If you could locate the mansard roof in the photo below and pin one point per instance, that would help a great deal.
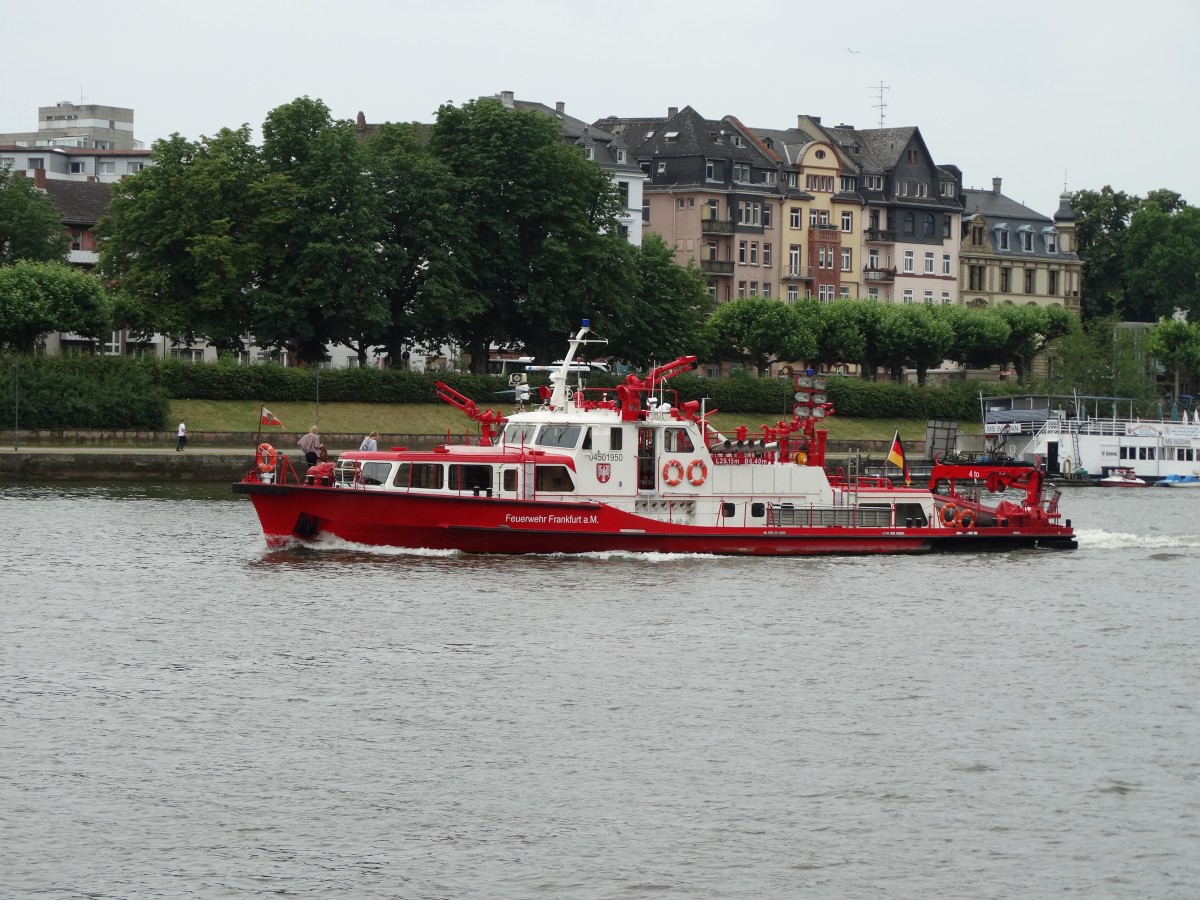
(997, 207)
(687, 133)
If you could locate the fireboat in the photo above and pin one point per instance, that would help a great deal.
(631, 469)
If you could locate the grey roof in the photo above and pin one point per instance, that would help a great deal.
(879, 148)
(692, 135)
(997, 207)
(79, 202)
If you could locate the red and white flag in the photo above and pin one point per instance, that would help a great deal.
(268, 418)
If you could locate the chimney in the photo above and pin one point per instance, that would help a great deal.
(39, 178)
(362, 120)
(506, 97)
(995, 185)
(560, 107)
(672, 112)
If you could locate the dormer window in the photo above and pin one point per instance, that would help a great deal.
(1050, 237)
(671, 137)
(1002, 236)
(620, 156)
(736, 140)
(589, 153)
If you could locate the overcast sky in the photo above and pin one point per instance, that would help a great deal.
(1077, 92)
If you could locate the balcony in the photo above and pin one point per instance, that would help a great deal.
(717, 266)
(798, 273)
(876, 274)
(824, 231)
(880, 236)
(715, 226)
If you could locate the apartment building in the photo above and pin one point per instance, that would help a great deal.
(1014, 255)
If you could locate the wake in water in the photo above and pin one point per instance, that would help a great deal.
(1099, 539)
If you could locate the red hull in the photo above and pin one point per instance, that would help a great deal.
(485, 525)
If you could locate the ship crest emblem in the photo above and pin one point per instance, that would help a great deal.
(603, 472)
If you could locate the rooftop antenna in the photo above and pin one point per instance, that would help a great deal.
(882, 104)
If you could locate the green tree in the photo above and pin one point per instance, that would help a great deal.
(1176, 345)
(1162, 263)
(868, 316)
(37, 298)
(1101, 220)
(757, 330)
(674, 296)
(913, 335)
(544, 247)
(835, 326)
(424, 228)
(178, 239)
(1031, 329)
(30, 226)
(980, 336)
(321, 277)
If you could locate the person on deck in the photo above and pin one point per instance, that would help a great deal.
(370, 442)
(310, 443)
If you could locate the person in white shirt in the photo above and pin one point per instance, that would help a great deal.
(181, 434)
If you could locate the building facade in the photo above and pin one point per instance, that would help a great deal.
(1012, 255)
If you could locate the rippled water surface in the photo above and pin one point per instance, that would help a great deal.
(184, 713)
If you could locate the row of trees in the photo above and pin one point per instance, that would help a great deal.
(490, 231)
(875, 335)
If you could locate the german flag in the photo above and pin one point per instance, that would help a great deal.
(896, 457)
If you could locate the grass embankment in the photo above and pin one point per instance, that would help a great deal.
(438, 418)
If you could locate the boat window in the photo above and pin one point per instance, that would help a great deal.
(470, 478)
(509, 479)
(520, 433)
(677, 440)
(555, 479)
(375, 473)
(566, 436)
(614, 438)
(587, 440)
(419, 475)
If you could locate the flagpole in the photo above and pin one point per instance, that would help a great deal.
(258, 434)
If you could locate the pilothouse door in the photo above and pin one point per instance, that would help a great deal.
(645, 459)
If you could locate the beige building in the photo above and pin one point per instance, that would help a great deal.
(1013, 255)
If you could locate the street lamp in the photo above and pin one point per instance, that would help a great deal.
(16, 367)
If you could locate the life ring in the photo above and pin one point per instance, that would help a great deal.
(949, 511)
(693, 466)
(965, 519)
(266, 458)
(673, 472)
(801, 457)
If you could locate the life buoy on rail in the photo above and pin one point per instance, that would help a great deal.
(673, 472)
(697, 471)
(965, 518)
(266, 458)
(949, 511)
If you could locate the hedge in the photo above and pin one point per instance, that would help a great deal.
(116, 392)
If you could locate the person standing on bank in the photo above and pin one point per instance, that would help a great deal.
(310, 443)
(370, 442)
(181, 437)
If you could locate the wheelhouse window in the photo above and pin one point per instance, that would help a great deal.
(565, 436)
(375, 473)
(520, 433)
(676, 440)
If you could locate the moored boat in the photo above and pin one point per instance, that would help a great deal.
(630, 469)
(1179, 481)
(1122, 478)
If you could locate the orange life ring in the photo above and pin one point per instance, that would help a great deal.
(965, 518)
(673, 472)
(949, 511)
(695, 479)
(266, 458)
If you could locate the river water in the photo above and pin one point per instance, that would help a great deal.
(184, 713)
